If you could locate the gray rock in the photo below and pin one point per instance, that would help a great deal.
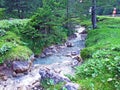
(48, 52)
(54, 50)
(2, 74)
(74, 53)
(83, 32)
(72, 36)
(49, 74)
(52, 47)
(42, 55)
(78, 58)
(75, 63)
(20, 66)
(14, 74)
(4, 78)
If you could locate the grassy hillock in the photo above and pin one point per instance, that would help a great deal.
(11, 45)
(101, 67)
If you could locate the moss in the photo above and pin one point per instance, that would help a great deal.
(17, 53)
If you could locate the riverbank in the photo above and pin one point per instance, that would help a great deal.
(101, 68)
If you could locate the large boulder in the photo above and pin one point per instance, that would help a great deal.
(49, 74)
(21, 66)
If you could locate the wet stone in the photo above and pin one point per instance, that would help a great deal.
(20, 66)
(56, 77)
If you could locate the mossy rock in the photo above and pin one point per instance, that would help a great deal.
(16, 53)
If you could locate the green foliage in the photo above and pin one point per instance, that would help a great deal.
(46, 26)
(101, 69)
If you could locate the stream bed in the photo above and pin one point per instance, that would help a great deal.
(61, 61)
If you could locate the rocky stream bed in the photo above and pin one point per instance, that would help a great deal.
(54, 63)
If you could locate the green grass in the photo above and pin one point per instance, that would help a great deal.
(101, 67)
(18, 53)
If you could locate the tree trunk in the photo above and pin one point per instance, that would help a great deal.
(94, 24)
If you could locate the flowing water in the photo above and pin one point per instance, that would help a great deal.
(60, 56)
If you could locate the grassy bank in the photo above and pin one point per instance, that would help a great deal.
(11, 45)
(101, 67)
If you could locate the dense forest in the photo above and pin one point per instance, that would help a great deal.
(30, 27)
(26, 8)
